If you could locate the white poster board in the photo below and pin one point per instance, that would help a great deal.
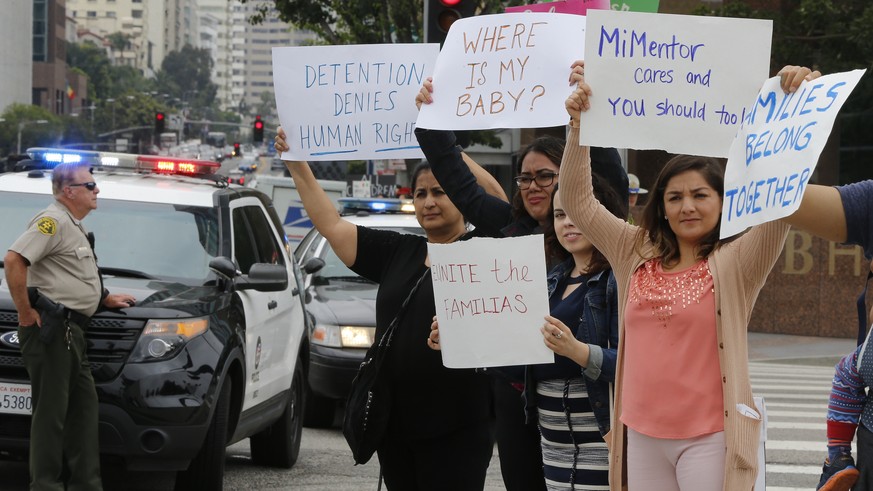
(491, 299)
(775, 152)
(505, 71)
(353, 102)
(671, 82)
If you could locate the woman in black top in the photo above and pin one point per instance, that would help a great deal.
(537, 169)
(438, 435)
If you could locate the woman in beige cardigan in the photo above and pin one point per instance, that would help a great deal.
(681, 420)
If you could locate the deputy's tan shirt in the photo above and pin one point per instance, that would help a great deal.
(62, 264)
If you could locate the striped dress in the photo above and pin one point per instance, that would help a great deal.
(575, 456)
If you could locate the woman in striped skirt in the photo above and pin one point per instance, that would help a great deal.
(571, 398)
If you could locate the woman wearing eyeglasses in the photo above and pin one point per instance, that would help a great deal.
(537, 173)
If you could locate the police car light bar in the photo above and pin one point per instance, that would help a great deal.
(154, 164)
(376, 205)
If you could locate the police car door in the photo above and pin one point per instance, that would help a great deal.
(271, 317)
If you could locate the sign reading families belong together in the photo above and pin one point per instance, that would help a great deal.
(671, 82)
(776, 151)
(351, 102)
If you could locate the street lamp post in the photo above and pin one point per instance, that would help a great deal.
(21, 125)
(113, 112)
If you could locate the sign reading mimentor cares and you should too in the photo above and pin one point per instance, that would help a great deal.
(775, 152)
(505, 71)
(491, 299)
(671, 82)
(353, 102)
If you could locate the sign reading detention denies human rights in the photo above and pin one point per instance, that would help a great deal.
(351, 102)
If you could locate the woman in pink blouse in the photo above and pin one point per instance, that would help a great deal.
(684, 414)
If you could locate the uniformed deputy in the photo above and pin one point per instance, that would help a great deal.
(55, 256)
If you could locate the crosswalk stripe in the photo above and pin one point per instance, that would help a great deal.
(794, 469)
(800, 445)
(797, 425)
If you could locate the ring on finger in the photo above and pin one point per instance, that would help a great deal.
(558, 335)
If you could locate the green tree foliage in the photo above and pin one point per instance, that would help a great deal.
(830, 36)
(33, 134)
(339, 22)
(187, 75)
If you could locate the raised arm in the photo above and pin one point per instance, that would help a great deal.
(472, 189)
(821, 213)
(341, 234)
(610, 235)
(484, 178)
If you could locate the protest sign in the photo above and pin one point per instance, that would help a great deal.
(505, 71)
(777, 148)
(351, 102)
(671, 82)
(562, 7)
(635, 5)
(491, 298)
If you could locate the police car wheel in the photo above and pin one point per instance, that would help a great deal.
(279, 444)
(206, 471)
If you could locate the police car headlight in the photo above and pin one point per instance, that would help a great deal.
(161, 339)
(343, 336)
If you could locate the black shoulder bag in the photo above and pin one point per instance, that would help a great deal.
(369, 401)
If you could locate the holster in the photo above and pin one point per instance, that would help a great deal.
(52, 315)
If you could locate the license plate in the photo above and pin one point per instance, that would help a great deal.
(15, 398)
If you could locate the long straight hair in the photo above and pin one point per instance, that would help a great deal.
(609, 198)
(655, 226)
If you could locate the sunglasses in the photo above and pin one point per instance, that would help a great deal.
(90, 186)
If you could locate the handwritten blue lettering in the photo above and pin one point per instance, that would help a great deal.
(363, 102)
(781, 192)
(767, 143)
(639, 44)
(628, 107)
(651, 75)
(336, 135)
(355, 73)
(692, 111)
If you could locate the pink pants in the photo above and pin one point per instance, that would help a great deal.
(659, 464)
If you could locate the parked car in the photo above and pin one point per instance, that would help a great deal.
(213, 352)
(342, 315)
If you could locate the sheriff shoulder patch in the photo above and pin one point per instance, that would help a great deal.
(47, 225)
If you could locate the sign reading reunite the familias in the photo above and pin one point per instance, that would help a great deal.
(776, 151)
(505, 71)
(491, 298)
(677, 83)
(351, 102)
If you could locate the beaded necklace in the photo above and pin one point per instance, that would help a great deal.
(663, 290)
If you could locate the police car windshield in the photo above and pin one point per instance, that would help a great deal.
(154, 240)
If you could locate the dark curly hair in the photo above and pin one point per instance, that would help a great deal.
(610, 199)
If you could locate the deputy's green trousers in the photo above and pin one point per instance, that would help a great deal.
(64, 425)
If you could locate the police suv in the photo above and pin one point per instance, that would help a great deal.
(215, 349)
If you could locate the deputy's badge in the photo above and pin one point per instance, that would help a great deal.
(47, 226)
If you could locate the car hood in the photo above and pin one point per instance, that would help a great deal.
(159, 299)
(343, 303)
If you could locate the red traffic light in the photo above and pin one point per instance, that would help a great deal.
(159, 116)
(450, 3)
(259, 125)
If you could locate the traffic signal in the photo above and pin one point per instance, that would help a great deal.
(237, 151)
(160, 123)
(440, 14)
(258, 130)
